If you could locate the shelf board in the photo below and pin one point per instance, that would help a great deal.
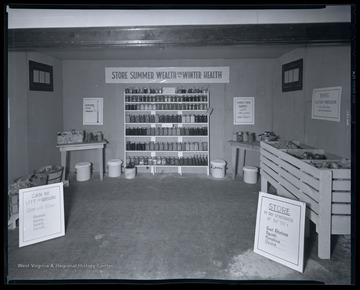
(171, 165)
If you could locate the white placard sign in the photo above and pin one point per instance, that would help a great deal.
(326, 104)
(280, 226)
(93, 111)
(244, 111)
(161, 75)
(41, 213)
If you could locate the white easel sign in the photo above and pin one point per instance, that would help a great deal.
(280, 226)
(41, 213)
(93, 111)
(244, 111)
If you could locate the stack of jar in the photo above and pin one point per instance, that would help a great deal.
(150, 118)
(165, 98)
(93, 137)
(166, 146)
(183, 106)
(244, 136)
(195, 160)
(168, 131)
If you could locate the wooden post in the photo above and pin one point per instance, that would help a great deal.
(242, 161)
(101, 163)
(234, 155)
(324, 229)
(63, 164)
(264, 185)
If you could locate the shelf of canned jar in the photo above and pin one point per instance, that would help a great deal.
(152, 165)
(166, 94)
(164, 110)
(166, 136)
(167, 102)
(168, 123)
(146, 151)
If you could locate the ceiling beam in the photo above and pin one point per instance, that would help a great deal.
(188, 35)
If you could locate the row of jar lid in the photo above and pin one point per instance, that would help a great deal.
(244, 136)
(160, 90)
(166, 131)
(167, 160)
(166, 118)
(166, 107)
(164, 99)
(167, 146)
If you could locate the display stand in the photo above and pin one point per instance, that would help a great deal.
(165, 128)
(326, 191)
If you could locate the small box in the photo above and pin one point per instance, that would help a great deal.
(14, 209)
(168, 90)
(14, 199)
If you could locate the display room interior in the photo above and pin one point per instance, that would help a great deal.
(180, 145)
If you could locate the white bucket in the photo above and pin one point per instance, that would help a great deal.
(218, 168)
(83, 171)
(250, 174)
(114, 166)
(130, 173)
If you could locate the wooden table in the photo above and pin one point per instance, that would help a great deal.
(64, 148)
(242, 147)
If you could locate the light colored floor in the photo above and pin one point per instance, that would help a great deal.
(165, 226)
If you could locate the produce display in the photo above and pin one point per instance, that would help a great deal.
(22, 182)
(341, 164)
(311, 155)
(285, 144)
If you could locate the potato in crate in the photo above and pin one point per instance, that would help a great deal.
(54, 173)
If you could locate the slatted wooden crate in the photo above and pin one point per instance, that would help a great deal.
(326, 192)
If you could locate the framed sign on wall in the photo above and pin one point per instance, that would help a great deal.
(40, 77)
(244, 111)
(292, 76)
(93, 111)
(326, 104)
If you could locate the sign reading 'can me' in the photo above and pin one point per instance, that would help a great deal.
(167, 75)
(41, 214)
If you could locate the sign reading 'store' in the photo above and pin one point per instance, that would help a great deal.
(162, 75)
(41, 213)
(280, 226)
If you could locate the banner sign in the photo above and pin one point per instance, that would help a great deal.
(41, 213)
(279, 233)
(244, 111)
(161, 75)
(326, 104)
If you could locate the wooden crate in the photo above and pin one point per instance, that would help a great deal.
(326, 191)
